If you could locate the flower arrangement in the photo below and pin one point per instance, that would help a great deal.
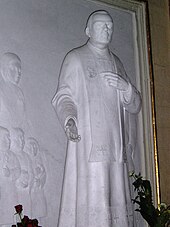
(24, 221)
(155, 217)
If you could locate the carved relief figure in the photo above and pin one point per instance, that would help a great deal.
(9, 173)
(93, 101)
(24, 182)
(38, 200)
(12, 103)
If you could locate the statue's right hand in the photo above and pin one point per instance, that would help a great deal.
(72, 131)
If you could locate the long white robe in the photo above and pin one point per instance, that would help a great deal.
(12, 105)
(95, 189)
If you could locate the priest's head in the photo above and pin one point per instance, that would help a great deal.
(99, 29)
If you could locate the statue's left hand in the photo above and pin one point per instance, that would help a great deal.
(115, 81)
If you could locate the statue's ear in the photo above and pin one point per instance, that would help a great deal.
(87, 31)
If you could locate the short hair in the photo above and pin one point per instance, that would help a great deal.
(90, 18)
(8, 57)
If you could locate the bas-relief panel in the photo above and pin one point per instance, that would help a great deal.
(32, 140)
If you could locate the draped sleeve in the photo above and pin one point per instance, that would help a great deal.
(65, 99)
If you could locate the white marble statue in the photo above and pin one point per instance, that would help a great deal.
(93, 101)
(12, 102)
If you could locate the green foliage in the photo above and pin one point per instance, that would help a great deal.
(155, 217)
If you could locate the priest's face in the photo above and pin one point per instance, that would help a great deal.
(14, 74)
(101, 28)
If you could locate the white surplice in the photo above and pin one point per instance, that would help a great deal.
(95, 189)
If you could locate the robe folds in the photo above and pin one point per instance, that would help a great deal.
(12, 106)
(95, 190)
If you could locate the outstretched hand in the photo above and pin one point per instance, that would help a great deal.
(72, 131)
(115, 80)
